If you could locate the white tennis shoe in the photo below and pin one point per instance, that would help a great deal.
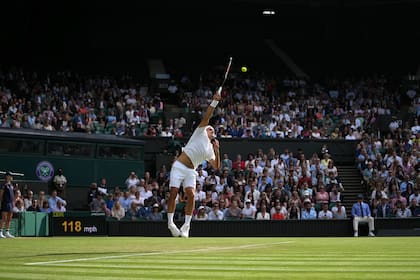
(185, 230)
(174, 230)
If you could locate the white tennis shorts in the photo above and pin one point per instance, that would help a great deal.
(182, 175)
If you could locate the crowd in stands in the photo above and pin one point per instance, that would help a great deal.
(39, 202)
(266, 184)
(273, 185)
(391, 171)
(252, 106)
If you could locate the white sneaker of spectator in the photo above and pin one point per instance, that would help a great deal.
(2, 235)
(8, 235)
(371, 233)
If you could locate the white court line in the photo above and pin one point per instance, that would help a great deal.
(271, 268)
(159, 253)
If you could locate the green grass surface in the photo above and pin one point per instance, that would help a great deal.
(62, 258)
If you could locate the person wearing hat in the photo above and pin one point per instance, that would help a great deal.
(361, 213)
(155, 215)
(308, 211)
(249, 211)
(7, 197)
(201, 214)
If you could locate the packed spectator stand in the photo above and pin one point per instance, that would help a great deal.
(285, 184)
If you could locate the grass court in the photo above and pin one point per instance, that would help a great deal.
(65, 258)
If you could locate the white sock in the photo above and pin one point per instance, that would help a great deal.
(170, 218)
(188, 219)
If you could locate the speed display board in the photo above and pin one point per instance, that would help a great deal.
(79, 226)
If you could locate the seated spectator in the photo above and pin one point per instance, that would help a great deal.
(28, 199)
(215, 214)
(125, 200)
(104, 209)
(155, 214)
(415, 195)
(274, 204)
(397, 198)
(54, 198)
(222, 203)
(45, 207)
(233, 212)
(133, 212)
(226, 162)
(325, 213)
(249, 211)
(34, 206)
(415, 210)
(140, 201)
(199, 194)
(308, 211)
(378, 188)
(403, 211)
(321, 197)
(375, 202)
(278, 214)
(263, 214)
(339, 211)
(19, 207)
(110, 199)
(59, 207)
(295, 199)
(368, 173)
(293, 213)
(383, 208)
(335, 195)
(117, 211)
(95, 205)
(201, 214)
(132, 180)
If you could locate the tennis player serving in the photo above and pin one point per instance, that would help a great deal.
(201, 146)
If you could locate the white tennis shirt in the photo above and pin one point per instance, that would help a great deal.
(199, 147)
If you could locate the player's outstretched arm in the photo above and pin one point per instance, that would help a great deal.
(209, 112)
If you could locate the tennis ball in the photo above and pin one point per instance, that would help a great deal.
(244, 69)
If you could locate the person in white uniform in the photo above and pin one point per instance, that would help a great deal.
(201, 146)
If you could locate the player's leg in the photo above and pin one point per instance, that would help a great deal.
(175, 180)
(9, 217)
(189, 208)
(2, 223)
(190, 182)
(171, 210)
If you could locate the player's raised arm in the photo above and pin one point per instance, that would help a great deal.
(209, 112)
